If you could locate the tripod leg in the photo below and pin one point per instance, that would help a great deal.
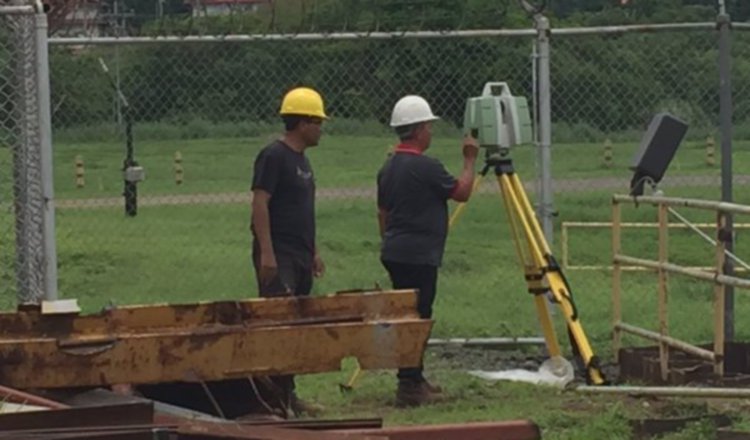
(461, 206)
(548, 330)
(548, 268)
(534, 276)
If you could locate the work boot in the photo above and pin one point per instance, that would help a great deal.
(415, 394)
(300, 407)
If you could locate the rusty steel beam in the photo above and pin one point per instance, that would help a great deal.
(509, 430)
(212, 354)
(365, 305)
(96, 432)
(207, 342)
(319, 424)
(126, 414)
(196, 429)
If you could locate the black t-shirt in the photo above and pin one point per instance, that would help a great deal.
(414, 190)
(288, 177)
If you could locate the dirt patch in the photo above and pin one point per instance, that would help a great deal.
(488, 359)
(494, 359)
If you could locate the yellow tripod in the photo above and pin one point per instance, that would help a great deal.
(543, 273)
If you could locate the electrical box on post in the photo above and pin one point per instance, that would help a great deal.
(134, 174)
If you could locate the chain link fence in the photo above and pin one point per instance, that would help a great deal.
(632, 76)
(213, 105)
(25, 260)
(202, 108)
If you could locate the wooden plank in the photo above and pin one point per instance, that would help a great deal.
(369, 305)
(210, 353)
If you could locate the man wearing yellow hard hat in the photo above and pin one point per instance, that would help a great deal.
(285, 256)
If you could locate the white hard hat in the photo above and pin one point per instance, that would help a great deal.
(411, 109)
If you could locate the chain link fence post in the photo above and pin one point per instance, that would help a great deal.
(546, 207)
(724, 25)
(45, 157)
(28, 122)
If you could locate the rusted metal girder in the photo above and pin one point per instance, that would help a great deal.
(509, 430)
(138, 413)
(211, 341)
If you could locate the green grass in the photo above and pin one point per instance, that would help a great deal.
(167, 253)
(202, 252)
(561, 415)
(225, 164)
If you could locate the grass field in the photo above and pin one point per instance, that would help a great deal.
(201, 252)
(221, 165)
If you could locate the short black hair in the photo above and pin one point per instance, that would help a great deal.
(292, 121)
(406, 132)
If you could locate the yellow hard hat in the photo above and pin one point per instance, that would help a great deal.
(303, 101)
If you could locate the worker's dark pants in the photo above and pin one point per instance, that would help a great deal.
(414, 276)
(294, 277)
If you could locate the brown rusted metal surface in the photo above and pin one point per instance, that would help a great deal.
(212, 341)
(642, 364)
(321, 424)
(196, 429)
(137, 420)
(510, 430)
(126, 414)
(211, 354)
(367, 305)
(76, 432)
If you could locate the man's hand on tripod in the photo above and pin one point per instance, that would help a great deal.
(470, 148)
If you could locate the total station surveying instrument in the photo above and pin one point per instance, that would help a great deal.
(500, 121)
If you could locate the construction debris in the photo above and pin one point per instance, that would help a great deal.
(104, 415)
(196, 371)
(211, 341)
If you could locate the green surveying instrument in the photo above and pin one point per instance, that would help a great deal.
(499, 121)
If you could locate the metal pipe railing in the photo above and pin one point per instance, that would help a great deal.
(672, 342)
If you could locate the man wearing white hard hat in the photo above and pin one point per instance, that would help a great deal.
(413, 191)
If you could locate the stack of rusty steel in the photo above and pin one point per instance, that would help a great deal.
(196, 371)
(102, 414)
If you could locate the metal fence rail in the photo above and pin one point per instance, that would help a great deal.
(715, 277)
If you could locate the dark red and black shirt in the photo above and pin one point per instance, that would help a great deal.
(414, 189)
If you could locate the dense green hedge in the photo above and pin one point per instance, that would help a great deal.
(606, 84)
(602, 85)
